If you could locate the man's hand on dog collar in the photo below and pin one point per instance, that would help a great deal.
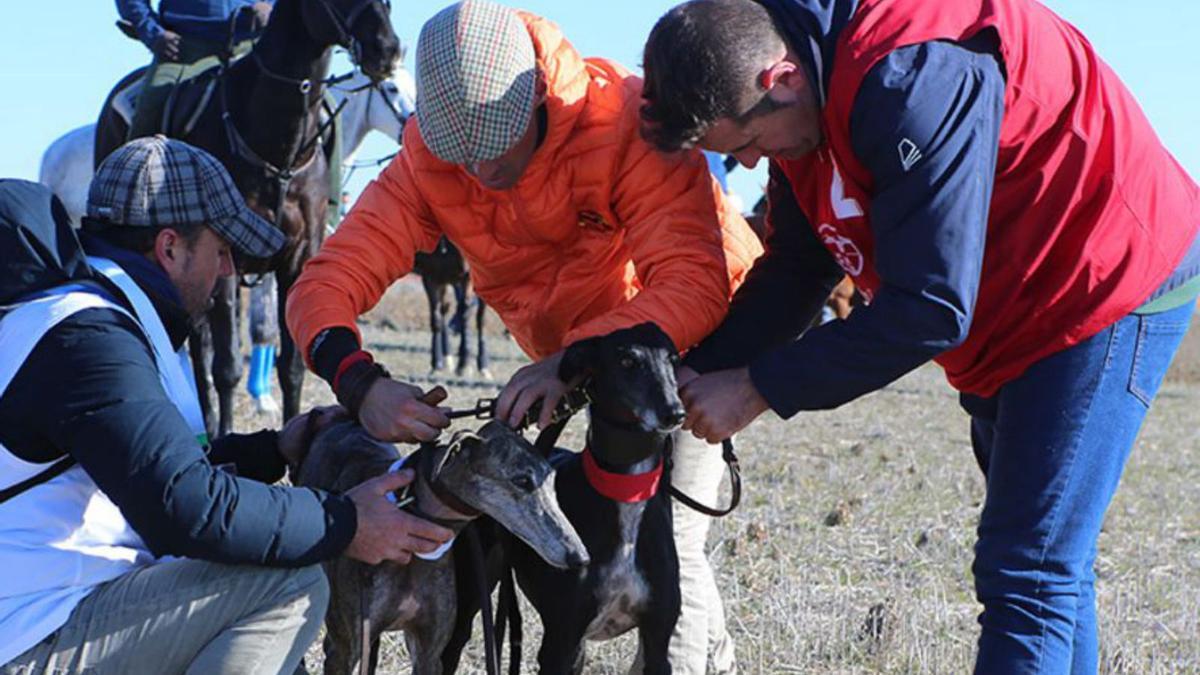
(535, 382)
(385, 532)
(720, 404)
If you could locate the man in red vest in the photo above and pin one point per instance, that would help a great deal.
(1002, 203)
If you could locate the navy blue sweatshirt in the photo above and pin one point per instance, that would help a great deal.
(929, 225)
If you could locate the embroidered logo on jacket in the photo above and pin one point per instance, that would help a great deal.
(844, 251)
(910, 154)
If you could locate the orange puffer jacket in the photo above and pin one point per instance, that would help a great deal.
(601, 232)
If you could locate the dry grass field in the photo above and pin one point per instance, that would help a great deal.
(852, 550)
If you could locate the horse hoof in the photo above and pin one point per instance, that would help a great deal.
(266, 405)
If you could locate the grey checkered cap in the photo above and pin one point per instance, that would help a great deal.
(162, 182)
(476, 70)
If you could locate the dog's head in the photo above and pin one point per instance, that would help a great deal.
(498, 472)
(630, 375)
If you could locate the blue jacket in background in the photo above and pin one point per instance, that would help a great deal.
(197, 19)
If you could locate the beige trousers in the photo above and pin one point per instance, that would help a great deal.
(187, 616)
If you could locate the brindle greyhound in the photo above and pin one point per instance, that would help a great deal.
(615, 494)
(496, 472)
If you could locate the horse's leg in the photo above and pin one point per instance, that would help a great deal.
(227, 352)
(201, 348)
(437, 350)
(290, 365)
(461, 317)
(482, 361)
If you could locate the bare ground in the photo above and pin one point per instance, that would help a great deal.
(852, 550)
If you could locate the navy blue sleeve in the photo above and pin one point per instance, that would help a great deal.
(783, 291)
(140, 14)
(926, 124)
(90, 389)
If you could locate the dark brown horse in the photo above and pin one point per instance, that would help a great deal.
(440, 269)
(262, 121)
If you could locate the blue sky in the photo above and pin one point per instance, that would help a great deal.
(64, 56)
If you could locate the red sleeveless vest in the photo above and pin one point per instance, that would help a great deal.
(1089, 212)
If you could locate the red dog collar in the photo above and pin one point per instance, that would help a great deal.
(621, 487)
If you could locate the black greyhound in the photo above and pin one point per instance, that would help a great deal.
(440, 269)
(262, 120)
(616, 496)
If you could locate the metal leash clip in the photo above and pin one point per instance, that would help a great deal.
(485, 409)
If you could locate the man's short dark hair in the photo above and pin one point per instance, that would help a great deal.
(139, 239)
(701, 63)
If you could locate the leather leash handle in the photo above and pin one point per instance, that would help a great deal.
(735, 486)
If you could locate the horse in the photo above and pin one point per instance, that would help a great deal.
(443, 268)
(67, 164)
(261, 117)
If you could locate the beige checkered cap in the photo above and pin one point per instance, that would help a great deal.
(476, 71)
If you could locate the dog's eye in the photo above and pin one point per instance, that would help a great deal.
(524, 482)
(627, 362)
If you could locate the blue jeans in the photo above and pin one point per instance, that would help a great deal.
(1052, 445)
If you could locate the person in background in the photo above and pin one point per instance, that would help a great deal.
(186, 38)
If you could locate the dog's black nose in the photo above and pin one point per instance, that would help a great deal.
(676, 417)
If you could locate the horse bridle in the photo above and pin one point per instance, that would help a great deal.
(345, 24)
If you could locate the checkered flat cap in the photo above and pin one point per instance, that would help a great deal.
(476, 71)
(162, 182)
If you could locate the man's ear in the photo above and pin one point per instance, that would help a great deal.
(579, 359)
(785, 81)
(167, 247)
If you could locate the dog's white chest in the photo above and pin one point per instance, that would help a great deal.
(622, 591)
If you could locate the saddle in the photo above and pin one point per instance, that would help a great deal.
(124, 100)
(187, 102)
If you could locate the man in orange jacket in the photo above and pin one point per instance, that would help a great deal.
(528, 158)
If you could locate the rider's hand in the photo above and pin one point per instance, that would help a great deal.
(537, 381)
(384, 531)
(399, 412)
(296, 436)
(167, 46)
(262, 14)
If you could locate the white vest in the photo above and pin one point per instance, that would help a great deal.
(62, 538)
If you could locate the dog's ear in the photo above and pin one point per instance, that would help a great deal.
(579, 359)
(463, 443)
(649, 334)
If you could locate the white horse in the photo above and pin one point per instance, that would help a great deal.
(67, 164)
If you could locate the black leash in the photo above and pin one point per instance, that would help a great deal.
(735, 486)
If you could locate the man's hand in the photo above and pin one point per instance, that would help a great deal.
(384, 531)
(537, 381)
(684, 375)
(721, 404)
(296, 436)
(167, 46)
(262, 14)
(399, 412)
